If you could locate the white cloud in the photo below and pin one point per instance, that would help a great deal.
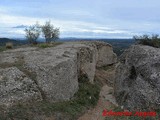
(64, 25)
(77, 13)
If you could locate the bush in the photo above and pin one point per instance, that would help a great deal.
(9, 45)
(153, 40)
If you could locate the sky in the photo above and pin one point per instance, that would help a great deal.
(82, 18)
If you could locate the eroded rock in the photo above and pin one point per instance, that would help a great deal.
(137, 84)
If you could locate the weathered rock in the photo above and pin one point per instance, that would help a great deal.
(56, 72)
(106, 56)
(57, 68)
(95, 54)
(16, 87)
(137, 84)
(87, 60)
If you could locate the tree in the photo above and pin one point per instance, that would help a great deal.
(33, 33)
(50, 32)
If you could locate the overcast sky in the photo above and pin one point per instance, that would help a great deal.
(82, 18)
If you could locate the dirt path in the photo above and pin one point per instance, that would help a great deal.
(106, 101)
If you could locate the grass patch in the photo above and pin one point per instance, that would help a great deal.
(2, 48)
(86, 97)
(46, 45)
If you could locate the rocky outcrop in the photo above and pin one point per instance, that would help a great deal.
(52, 73)
(103, 58)
(137, 84)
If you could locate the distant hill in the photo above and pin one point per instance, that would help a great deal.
(3, 41)
(119, 45)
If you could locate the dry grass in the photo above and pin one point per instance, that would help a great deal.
(9, 45)
(46, 45)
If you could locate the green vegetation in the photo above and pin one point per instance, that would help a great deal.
(86, 97)
(46, 45)
(153, 40)
(2, 48)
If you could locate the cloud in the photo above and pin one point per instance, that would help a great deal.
(67, 28)
(78, 27)
(81, 13)
(65, 25)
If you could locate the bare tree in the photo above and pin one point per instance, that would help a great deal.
(50, 32)
(33, 33)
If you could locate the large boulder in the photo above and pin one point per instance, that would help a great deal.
(137, 83)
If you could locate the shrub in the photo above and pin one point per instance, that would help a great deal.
(9, 45)
(153, 40)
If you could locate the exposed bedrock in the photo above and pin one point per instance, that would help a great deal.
(52, 73)
(137, 84)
